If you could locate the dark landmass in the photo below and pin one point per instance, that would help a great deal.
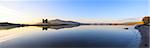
(6, 25)
(58, 22)
(145, 33)
(62, 23)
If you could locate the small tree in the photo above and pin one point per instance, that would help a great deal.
(146, 20)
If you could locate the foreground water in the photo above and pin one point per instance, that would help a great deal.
(81, 36)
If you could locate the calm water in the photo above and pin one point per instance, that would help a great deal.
(81, 36)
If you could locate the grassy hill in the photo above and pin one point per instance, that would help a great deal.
(133, 23)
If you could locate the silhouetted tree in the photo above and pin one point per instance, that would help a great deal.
(146, 20)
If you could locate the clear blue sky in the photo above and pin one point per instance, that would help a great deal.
(83, 10)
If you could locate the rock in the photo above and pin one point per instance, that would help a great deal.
(126, 28)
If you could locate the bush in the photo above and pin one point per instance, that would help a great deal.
(146, 20)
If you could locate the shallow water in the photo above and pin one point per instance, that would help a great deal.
(81, 36)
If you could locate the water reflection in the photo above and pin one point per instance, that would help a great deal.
(43, 27)
(144, 31)
(82, 36)
(8, 27)
(58, 27)
(95, 36)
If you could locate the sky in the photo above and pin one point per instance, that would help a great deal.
(94, 11)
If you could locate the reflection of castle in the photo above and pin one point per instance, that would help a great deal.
(58, 27)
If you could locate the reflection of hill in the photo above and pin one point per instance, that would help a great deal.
(58, 27)
(8, 27)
